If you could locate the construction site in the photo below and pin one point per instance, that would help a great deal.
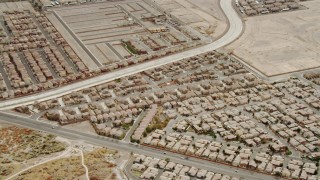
(112, 32)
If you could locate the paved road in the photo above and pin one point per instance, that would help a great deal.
(124, 146)
(64, 24)
(5, 77)
(234, 31)
(134, 126)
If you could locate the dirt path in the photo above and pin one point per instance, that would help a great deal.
(83, 164)
(43, 162)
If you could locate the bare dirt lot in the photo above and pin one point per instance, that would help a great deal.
(20, 144)
(65, 168)
(20, 148)
(281, 43)
(71, 168)
(28, 154)
(85, 126)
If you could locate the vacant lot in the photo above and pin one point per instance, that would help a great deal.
(98, 165)
(20, 147)
(85, 126)
(20, 144)
(64, 168)
(71, 167)
(282, 43)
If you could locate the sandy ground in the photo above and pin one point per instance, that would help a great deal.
(14, 167)
(281, 43)
(211, 7)
(67, 164)
(85, 126)
(4, 125)
(204, 15)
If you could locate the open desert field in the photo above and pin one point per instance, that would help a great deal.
(16, 154)
(29, 154)
(281, 43)
(70, 167)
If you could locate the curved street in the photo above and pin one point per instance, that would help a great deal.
(234, 31)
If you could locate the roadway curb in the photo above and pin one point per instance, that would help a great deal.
(206, 159)
(107, 77)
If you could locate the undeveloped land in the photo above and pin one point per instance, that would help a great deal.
(98, 165)
(71, 167)
(18, 145)
(65, 168)
(85, 125)
(281, 43)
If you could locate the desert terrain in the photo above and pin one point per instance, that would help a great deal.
(21, 148)
(281, 43)
(28, 154)
(70, 167)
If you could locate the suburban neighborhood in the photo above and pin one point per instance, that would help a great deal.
(159, 89)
